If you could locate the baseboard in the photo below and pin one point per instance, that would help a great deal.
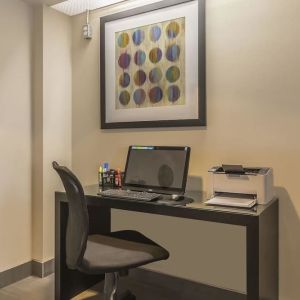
(15, 274)
(20, 272)
(42, 269)
(183, 288)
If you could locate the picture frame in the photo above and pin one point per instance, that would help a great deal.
(148, 55)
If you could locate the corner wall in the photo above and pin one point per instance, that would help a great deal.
(15, 133)
(52, 121)
(253, 110)
(35, 127)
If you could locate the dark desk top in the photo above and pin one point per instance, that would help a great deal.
(196, 210)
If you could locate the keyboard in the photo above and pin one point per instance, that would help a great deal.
(130, 195)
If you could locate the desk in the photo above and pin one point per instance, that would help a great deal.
(261, 238)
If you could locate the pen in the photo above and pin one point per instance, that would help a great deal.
(100, 176)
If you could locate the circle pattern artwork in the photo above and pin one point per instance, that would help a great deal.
(124, 80)
(140, 77)
(124, 60)
(155, 55)
(173, 74)
(173, 30)
(138, 37)
(124, 98)
(155, 33)
(149, 65)
(139, 96)
(139, 57)
(155, 75)
(173, 93)
(173, 52)
(155, 94)
(123, 40)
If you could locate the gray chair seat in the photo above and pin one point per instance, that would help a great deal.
(121, 250)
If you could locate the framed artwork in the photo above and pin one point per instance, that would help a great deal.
(152, 65)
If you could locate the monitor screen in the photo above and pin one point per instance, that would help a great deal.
(153, 167)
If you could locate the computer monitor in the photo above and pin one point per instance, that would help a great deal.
(158, 169)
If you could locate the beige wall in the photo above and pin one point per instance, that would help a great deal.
(35, 127)
(37, 136)
(253, 118)
(52, 115)
(57, 111)
(15, 133)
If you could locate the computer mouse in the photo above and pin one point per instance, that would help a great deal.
(177, 197)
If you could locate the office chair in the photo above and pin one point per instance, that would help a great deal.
(112, 254)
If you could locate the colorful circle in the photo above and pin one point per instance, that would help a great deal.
(173, 74)
(124, 80)
(138, 37)
(139, 96)
(124, 98)
(173, 52)
(139, 57)
(140, 77)
(173, 93)
(124, 60)
(155, 75)
(123, 40)
(173, 30)
(155, 33)
(155, 94)
(155, 55)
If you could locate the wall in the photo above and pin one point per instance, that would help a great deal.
(37, 136)
(253, 118)
(15, 133)
(35, 127)
(52, 121)
(57, 111)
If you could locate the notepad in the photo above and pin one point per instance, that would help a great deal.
(232, 201)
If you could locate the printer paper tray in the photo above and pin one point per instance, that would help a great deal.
(232, 201)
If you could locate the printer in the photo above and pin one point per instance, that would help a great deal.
(242, 183)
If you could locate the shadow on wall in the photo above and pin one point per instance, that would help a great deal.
(289, 246)
(152, 129)
(194, 183)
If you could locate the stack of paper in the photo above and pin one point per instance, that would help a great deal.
(232, 201)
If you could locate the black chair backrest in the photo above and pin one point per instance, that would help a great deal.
(78, 220)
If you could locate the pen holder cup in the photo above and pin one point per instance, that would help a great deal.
(111, 179)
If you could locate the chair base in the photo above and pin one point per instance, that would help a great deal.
(110, 288)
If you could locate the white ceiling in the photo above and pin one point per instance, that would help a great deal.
(75, 7)
(48, 2)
